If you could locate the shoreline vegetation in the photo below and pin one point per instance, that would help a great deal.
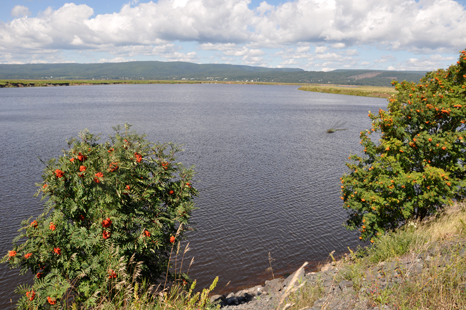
(419, 266)
(48, 83)
(352, 90)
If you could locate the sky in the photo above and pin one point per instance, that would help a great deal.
(315, 35)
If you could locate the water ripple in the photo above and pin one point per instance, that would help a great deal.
(267, 171)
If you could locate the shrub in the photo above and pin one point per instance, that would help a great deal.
(418, 164)
(108, 205)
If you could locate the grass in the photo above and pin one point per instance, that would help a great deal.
(365, 91)
(130, 292)
(440, 284)
(45, 83)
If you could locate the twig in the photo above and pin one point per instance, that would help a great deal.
(270, 263)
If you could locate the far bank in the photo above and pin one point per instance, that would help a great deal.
(352, 90)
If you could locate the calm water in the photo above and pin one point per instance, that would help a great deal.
(268, 172)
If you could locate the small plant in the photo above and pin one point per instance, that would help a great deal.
(418, 166)
(108, 206)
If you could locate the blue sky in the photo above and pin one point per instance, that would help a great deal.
(318, 35)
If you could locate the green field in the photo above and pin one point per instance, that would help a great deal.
(365, 91)
(45, 83)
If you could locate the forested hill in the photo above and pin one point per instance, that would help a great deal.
(156, 70)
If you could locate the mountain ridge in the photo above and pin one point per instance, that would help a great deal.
(158, 70)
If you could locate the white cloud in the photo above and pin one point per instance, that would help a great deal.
(337, 28)
(303, 49)
(253, 60)
(331, 56)
(288, 62)
(231, 49)
(217, 46)
(438, 57)
(400, 24)
(116, 59)
(179, 3)
(20, 10)
(338, 45)
(321, 49)
(40, 56)
(351, 52)
(429, 63)
(264, 8)
(73, 26)
(177, 56)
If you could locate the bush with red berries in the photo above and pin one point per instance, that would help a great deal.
(108, 206)
(416, 165)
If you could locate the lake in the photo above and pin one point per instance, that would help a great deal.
(267, 170)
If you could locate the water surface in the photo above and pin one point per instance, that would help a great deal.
(268, 172)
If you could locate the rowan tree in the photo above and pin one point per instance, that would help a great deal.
(417, 165)
(108, 207)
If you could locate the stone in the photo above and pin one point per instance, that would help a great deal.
(256, 290)
(326, 267)
(300, 278)
(274, 286)
(417, 268)
(216, 298)
(231, 301)
(243, 296)
(328, 282)
(345, 284)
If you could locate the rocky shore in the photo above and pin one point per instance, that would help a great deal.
(337, 290)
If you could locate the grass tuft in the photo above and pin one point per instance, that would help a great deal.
(419, 266)
(365, 91)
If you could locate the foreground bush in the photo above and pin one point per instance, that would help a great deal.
(112, 208)
(418, 165)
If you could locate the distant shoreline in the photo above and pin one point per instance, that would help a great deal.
(352, 90)
(47, 83)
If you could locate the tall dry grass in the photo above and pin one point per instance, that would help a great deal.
(437, 244)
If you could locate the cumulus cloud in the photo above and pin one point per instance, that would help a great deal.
(116, 59)
(177, 56)
(351, 52)
(394, 23)
(20, 10)
(431, 62)
(338, 45)
(333, 57)
(385, 58)
(44, 56)
(217, 46)
(397, 24)
(335, 27)
(253, 60)
(249, 56)
(74, 26)
(321, 49)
